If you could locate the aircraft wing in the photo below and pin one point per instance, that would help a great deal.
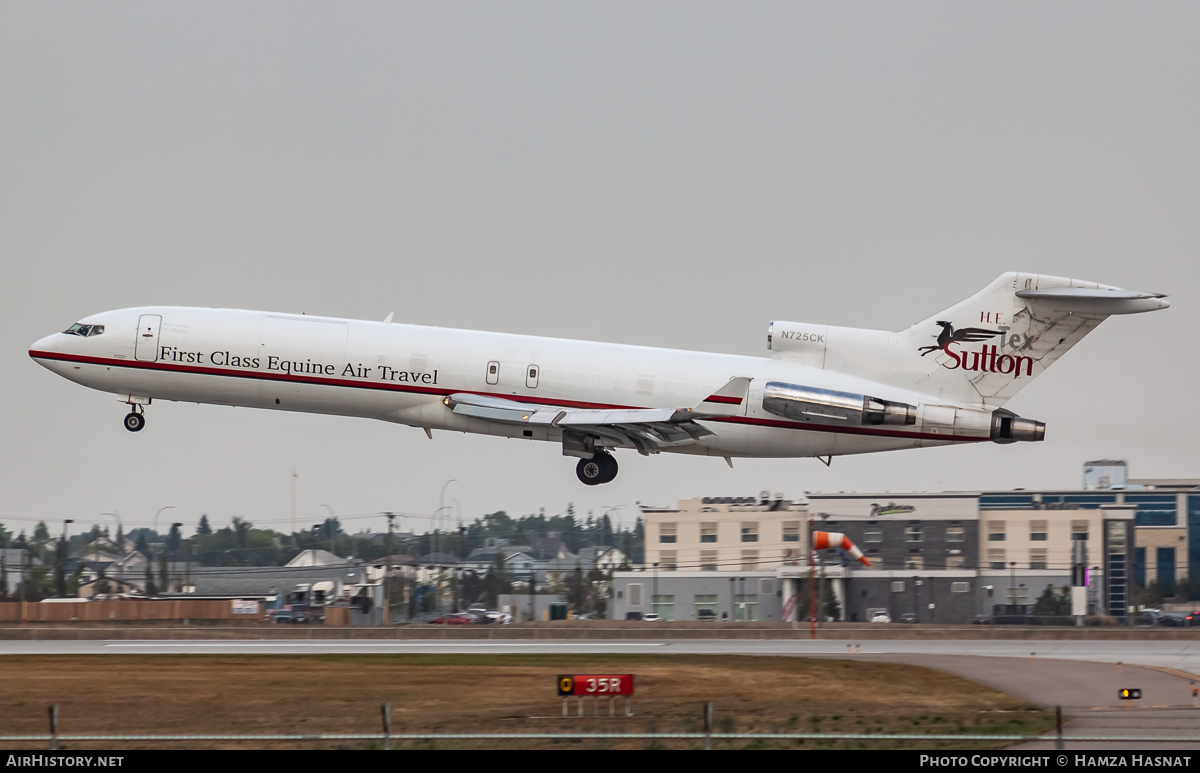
(649, 430)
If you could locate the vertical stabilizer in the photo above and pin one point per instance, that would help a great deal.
(988, 347)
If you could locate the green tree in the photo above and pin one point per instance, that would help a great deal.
(598, 585)
(241, 531)
(103, 586)
(60, 569)
(174, 540)
(151, 588)
(1051, 603)
(164, 581)
(75, 581)
(1151, 595)
(498, 582)
(577, 590)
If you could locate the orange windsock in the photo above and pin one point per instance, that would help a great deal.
(823, 540)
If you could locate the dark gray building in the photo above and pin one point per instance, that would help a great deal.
(924, 553)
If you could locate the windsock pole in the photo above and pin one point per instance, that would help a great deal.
(824, 540)
(812, 581)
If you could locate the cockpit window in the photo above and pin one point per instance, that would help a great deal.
(85, 330)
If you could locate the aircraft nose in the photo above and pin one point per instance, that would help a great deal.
(47, 344)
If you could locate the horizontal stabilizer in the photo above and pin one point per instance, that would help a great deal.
(1096, 300)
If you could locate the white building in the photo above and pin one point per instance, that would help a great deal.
(739, 534)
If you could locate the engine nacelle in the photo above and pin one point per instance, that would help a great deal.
(1008, 427)
(796, 337)
(826, 406)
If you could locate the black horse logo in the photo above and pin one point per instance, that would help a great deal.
(951, 336)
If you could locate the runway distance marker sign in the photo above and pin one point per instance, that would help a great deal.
(595, 684)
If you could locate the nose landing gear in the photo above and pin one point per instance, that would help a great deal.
(601, 468)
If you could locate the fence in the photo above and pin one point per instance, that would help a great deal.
(123, 610)
(385, 738)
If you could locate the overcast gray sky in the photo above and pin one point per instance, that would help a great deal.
(668, 173)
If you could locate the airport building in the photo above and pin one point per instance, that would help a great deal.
(718, 534)
(949, 557)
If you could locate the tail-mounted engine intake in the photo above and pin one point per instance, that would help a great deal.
(825, 406)
(1008, 427)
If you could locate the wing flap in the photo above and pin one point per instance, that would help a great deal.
(648, 430)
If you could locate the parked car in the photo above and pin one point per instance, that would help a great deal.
(880, 616)
(454, 618)
(908, 617)
(707, 615)
(650, 617)
(983, 618)
(1173, 620)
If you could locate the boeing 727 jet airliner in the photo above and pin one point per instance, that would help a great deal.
(823, 391)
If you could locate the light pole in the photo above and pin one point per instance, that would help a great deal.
(1012, 588)
(436, 553)
(387, 572)
(61, 560)
(167, 552)
(441, 506)
(654, 593)
(615, 530)
(916, 581)
(119, 541)
(154, 521)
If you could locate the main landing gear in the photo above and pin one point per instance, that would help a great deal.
(135, 419)
(601, 468)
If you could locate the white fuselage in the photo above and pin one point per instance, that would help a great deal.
(402, 373)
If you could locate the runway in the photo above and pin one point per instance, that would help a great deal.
(1179, 656)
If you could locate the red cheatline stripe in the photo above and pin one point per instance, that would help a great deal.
(723, 399)
(441, 391)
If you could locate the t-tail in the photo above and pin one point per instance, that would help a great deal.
(979, 352)
(987, 348)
